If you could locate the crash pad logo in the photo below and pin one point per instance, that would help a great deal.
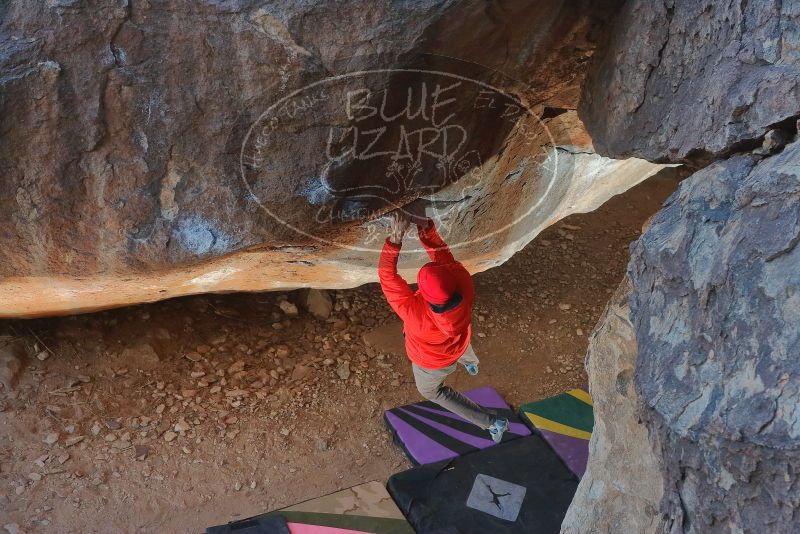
(345, 150)
(496, 497)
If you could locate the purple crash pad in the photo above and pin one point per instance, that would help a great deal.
(428, 433)
(573, 451)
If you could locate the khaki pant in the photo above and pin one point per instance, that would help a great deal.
(430, 385)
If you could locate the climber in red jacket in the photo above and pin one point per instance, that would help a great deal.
(436, 320)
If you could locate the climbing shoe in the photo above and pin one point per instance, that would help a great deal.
(472, 368)
(498, 428)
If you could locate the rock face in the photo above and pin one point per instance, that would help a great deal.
(687, 79)
(622, 488)
(716, 309)
(697, 383)
(154, 150)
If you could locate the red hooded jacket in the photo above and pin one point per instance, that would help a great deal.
(433, 340)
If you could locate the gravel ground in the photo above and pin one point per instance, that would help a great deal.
(178, 415)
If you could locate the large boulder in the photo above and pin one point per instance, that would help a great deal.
(695, 380)
(151, 150)
(693, 80)
(712, 417)
(716, 307)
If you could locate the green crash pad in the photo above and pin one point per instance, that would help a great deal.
(565, 421)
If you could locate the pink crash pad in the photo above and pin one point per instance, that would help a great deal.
(300, 528)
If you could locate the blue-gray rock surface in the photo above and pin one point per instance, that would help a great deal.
(700, 374)
(715, 304)
(693, 80)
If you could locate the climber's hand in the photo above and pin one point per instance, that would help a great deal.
(416, 212)
(398, 227)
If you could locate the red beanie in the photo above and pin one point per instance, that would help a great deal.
(436, 283)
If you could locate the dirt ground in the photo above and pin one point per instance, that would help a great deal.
(179, 415)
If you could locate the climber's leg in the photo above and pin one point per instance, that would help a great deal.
(430, 385)
(470, 361)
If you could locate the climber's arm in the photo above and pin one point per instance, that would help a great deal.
(433, 243)
(397, 291)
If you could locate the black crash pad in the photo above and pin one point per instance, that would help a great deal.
(254, 525)
(520, 486)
